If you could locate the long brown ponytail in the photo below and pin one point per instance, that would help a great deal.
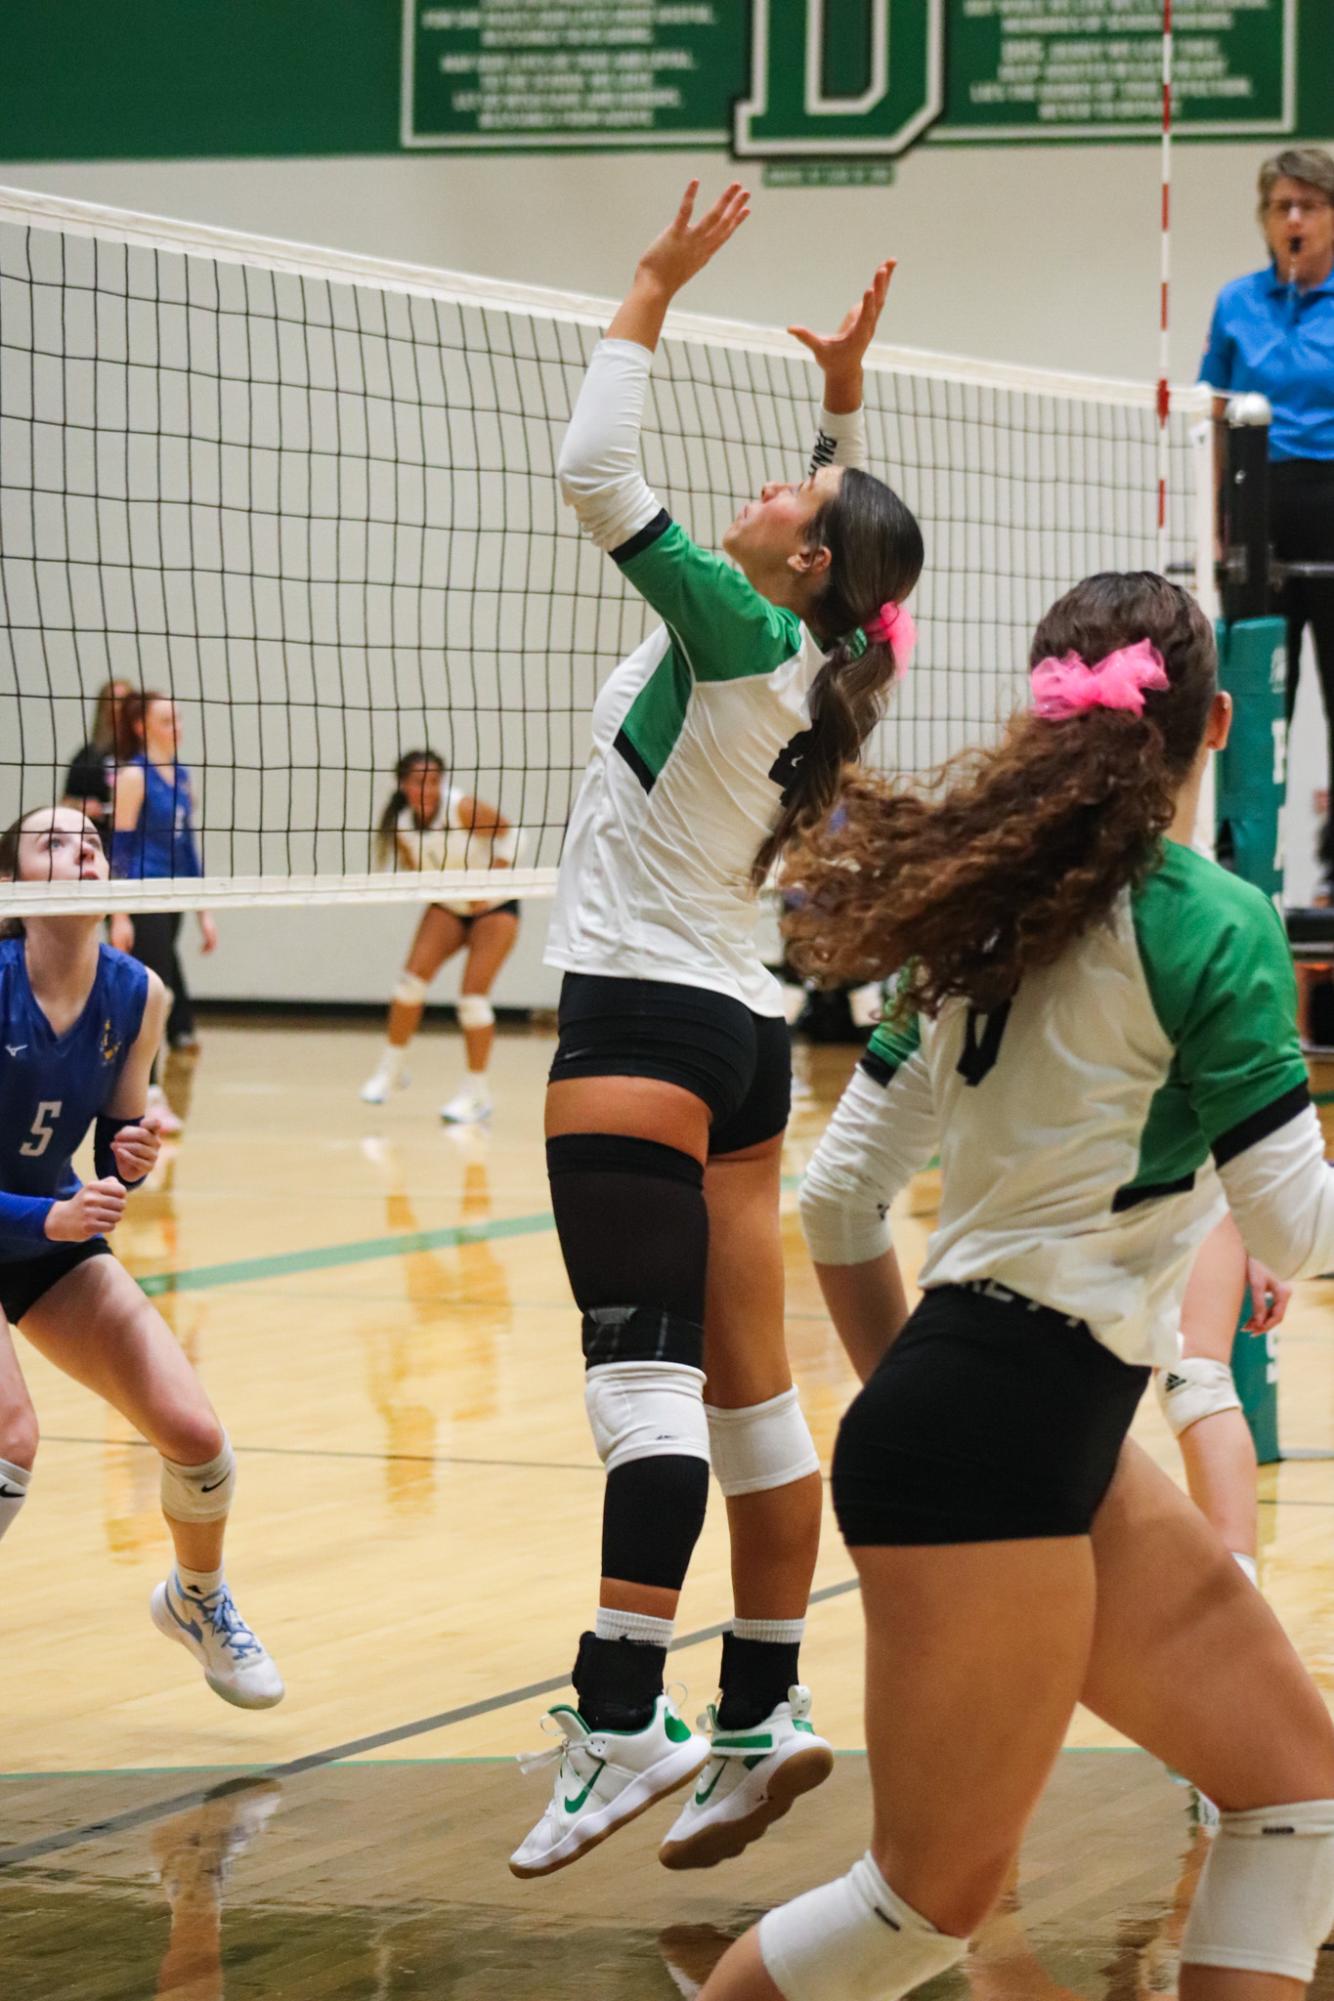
(1030, 842)
(875, 551)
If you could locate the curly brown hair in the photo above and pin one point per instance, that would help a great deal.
(999, 862)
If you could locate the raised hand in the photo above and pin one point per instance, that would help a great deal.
(686, 246)
(840, 354)
(96, 1208)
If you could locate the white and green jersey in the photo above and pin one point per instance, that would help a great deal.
(695, 736)
(1091, 1131)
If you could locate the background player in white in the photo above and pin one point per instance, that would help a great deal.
(429, 824)
(80, 1025)
(722, 733)
(1098, 1028)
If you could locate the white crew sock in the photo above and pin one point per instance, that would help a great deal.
(199, 1583)
(650, 1632)
(390, 1065)
(1247, 1565)
(774, 1632)
(13, 1493)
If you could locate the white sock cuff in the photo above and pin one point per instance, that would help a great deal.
(199, 1583)
(613, 1625)
(14, 1476)
(775, 1632)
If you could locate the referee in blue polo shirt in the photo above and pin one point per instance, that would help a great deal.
(1274, 331)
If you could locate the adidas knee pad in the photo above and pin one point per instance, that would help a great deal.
(1265, 1902)
(761, 1446)
(475, 1011)
(853, 1940)
(646, 1410)
(1195, 1387)
(200, 1493)
(410, 989)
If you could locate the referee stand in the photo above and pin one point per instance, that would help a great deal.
(1252, 784)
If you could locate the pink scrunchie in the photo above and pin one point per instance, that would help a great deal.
(1069, 687)
(893, 626)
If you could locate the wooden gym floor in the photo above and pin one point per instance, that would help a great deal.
(378, 1308)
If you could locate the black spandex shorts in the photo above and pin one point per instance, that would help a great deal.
(467, 918)
(990, 1419)
(739, 1063)
(23, 1281)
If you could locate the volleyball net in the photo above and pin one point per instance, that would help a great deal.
(312, 499)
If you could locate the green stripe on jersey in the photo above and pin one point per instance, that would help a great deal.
(720, 625)
(656, 717)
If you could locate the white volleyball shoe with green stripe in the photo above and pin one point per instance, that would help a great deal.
(750, 1781)
(604, 1778)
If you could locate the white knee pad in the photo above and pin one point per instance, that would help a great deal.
(200, 1493)
(853, 1940)
(1195, 1387)
(411, 989)
(764, 1445)
(646, 1410)
(475, 1011)
(1265, 1902)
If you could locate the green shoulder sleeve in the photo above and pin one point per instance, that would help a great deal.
(721, 626)
(1220, 976)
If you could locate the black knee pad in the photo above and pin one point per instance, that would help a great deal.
(634, 1233)
(651, 1518)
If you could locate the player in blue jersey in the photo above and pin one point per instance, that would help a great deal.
(154, 837)
(80, 1025)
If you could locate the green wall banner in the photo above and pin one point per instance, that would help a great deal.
(833, 77)
(841, 86)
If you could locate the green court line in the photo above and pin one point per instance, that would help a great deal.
(361, 1251)
(1322, 1097)
(323, 1257)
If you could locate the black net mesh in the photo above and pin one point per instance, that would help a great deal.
(321, 514)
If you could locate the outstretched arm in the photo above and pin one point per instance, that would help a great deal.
(598, 468)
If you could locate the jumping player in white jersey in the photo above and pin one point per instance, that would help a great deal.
(429, 824)
(1098, 1033)
(81, 1024)
(724, 732)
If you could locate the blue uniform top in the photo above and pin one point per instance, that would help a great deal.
(53, 1086)
(1276, 338)
(162, 841)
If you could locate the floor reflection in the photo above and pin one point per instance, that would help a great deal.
(386, 1882)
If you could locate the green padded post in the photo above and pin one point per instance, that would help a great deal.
(1252, 782)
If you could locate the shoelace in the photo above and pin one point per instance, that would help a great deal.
(550, 1754)
(227, 1625)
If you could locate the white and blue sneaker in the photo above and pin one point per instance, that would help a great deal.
(750, 1780)
(236, 1664)
(604, 1778)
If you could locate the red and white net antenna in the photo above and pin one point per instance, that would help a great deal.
(1164, 340)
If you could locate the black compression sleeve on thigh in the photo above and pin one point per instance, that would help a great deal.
(652, 1513)
(634, 1233)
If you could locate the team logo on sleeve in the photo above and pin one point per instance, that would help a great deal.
(111, 1045)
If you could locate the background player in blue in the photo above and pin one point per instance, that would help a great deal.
(80, 1025)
